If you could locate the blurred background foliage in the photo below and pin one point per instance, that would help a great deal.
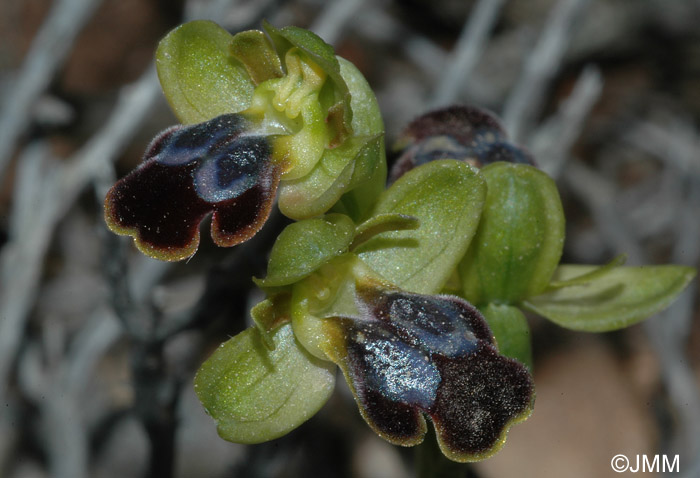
(98, 344)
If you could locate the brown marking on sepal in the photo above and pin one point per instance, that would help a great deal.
(336, 121)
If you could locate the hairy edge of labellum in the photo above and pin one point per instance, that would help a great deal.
(400, 372)
(163, 201)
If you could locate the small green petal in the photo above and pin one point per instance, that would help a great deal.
(254, 50)
(520, 236)
(446, 197)
(511, 331)
(255, 394)
(617, 299)
(288, 37)
(200, 78)
(302, 247)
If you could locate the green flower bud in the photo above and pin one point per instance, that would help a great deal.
(520, 237)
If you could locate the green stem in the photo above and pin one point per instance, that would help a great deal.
(431, 463)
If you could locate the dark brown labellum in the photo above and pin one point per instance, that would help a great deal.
(187, 173)
(412, 354)
(464, 133)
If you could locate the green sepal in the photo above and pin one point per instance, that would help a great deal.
(332, 176)
(511, 330)
(446, 197)
(255, 394)
(358, 202)
(382, 223)
(369, 177)
(520, 237)
(200, 78)
(594, 274)
(304, 246)
(617, 299)
(255, 51)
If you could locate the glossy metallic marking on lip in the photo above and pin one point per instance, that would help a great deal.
(400, 372)
(437, 324)
(411, 354)
(187, 173)
(228, 162)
